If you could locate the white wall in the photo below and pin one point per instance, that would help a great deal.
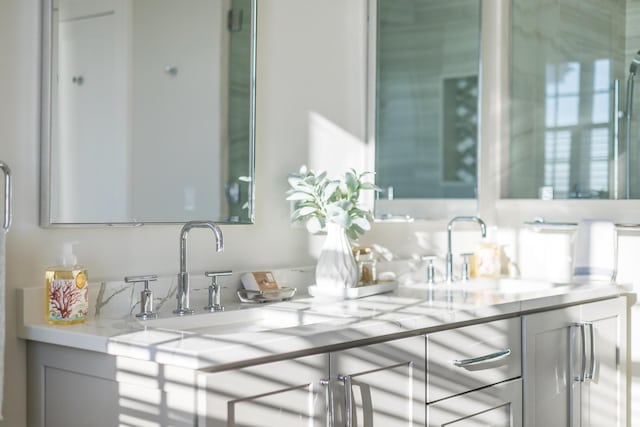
(304, 66)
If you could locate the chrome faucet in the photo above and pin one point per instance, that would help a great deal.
(183, 277)
(483, 230)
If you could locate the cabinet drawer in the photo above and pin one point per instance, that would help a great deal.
(498, 405)
(471, 357)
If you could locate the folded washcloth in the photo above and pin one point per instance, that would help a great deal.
(595, 248)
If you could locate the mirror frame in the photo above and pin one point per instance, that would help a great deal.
(48, 27)
(407, 210)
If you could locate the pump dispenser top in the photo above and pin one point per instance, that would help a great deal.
(68, 258)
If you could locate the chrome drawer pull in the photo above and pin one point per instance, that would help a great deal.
(498, 355)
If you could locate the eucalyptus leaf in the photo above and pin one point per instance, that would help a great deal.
(294, 180)
(329, 190)
(355, 231)
(369, 186)
(337, 214)
(307, 210)
(299, 195)
(314, 225)
(351, 181)
(361, 223)
(345, 205)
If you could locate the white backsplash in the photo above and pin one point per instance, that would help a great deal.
(117, 299)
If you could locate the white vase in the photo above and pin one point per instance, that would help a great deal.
(336, 266)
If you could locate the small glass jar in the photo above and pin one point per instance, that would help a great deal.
(366, 265)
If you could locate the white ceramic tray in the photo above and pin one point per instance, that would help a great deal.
(269, 295)
(352, 293)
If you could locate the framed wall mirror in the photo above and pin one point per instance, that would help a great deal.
(424, 108)
(574, 116)
(147, 111)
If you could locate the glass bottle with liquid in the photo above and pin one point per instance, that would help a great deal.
(366, 261)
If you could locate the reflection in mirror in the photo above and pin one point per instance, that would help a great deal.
(148, 111)
(426, 106)
(573, 131)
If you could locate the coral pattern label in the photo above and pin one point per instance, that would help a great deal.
(67, 297)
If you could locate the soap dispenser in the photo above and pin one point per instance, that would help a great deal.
(67, 291)
(488, 257)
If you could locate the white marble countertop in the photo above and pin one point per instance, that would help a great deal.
(244, 335)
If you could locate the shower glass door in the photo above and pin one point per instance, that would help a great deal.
(572, 135)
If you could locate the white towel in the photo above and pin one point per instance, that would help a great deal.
(595, 251)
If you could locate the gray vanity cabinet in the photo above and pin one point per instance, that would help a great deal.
(379, 384)
(574, 366)
(560, 367)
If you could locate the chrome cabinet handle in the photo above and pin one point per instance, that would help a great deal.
(348, 406)
(498, 355)
(7, 196)
(329, 401)
(592, 349)
(583, 356)
(584, 377)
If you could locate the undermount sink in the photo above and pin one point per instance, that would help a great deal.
(511, 286)
(241, 320)
(501, 285)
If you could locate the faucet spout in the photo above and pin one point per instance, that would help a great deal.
(483, 230)
(182, 293)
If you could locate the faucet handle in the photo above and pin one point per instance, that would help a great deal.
(215, 274)
(146, 296)
(215, 290)
(139, 279)
(464, 275)
(431, 269)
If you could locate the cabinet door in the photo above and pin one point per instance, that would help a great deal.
(497, 406)
(280, 394)
(380, 384)
(603, 393)
(574, 366)
(546, 370)
(79, 388)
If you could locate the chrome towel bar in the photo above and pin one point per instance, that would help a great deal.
(541, 224)
(6, 223)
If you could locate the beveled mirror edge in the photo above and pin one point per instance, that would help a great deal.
(252, 110)
(46, 40)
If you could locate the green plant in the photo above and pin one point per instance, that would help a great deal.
(319, 200)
